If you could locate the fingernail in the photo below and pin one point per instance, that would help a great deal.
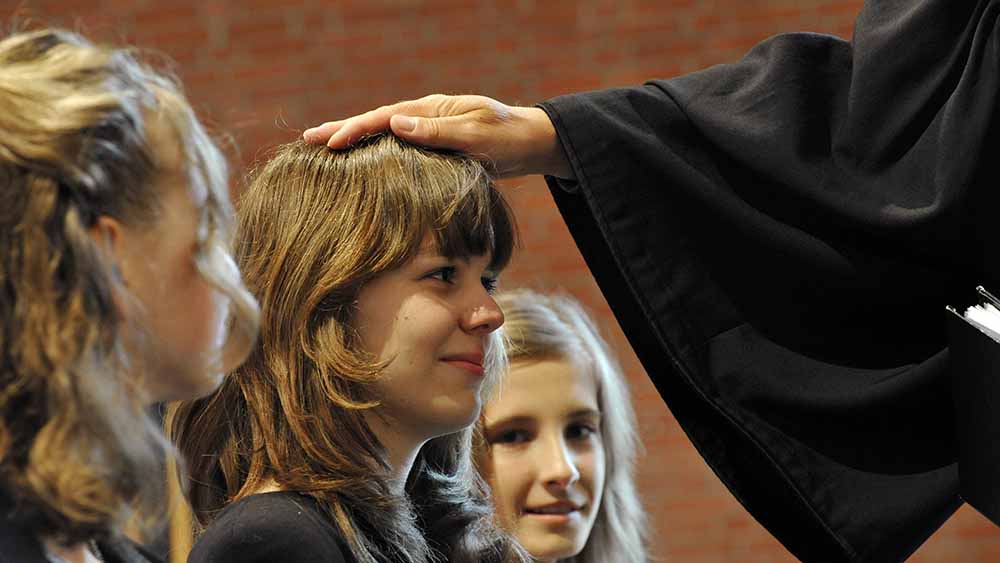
(406, 124)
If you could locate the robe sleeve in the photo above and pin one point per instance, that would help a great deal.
(778, 239)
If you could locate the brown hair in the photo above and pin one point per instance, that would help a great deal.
(313, 227)
(553, 326)
(77, 448)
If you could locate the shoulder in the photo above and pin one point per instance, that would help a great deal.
(271, 527)
(17, 546)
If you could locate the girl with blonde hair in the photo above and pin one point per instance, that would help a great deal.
(116, 287)
(559, 438)
(347, 434)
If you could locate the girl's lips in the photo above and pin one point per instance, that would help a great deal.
(554, 508)
(559, 516)
(466, 365)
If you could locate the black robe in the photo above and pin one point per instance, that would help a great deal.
(778, 239)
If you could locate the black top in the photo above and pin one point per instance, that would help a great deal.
(20, 545)
(271, 528)
(778, 238)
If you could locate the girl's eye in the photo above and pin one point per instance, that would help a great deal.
(511, 437)
(489, 283)
(445, 274)
(580, 431)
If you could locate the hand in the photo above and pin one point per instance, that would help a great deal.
(512, 140)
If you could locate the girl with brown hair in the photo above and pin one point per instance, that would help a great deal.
(347, 434)
(116, 281)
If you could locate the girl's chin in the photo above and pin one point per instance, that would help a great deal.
(551, 546)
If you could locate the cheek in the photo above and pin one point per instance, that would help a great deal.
(592, 467)
(419, 332)
(210, 312)
(198, 329)
(199, 307)
(511, 481)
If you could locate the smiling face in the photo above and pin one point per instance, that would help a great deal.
(430, 319)
(546, 462)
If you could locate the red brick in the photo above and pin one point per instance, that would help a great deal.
(304, 62)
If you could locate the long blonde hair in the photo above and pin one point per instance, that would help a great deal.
(79, 454)
(553, 326)
(313, 227)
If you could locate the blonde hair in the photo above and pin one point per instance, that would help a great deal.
(313, 227)
(548, 326)
(78, 451)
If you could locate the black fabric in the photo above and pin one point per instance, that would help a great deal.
(280, 527)
(17, 544)
(779, 237)
(20, 545)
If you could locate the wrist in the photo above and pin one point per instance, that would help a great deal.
(544, 152)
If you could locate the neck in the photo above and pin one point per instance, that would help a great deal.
(400, 447)
(269, 486)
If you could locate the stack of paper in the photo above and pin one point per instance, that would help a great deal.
(974, 354)
(985, 316)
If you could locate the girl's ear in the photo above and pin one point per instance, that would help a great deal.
(106, 232)
(107, 235)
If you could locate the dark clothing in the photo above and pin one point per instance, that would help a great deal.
(21, 545)
(778, 238)
(271, 528)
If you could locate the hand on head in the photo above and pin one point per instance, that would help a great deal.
(513, 140)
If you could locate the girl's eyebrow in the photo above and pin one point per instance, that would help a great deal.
(429, 250)
(585, 413)
(432, 253)
(503, 421)
(429, 253)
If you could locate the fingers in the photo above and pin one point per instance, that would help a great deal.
(422, 130)
(341, 134)
(368, 123)
(471, 132)
(321, 133)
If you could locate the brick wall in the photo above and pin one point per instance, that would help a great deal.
(262, 70)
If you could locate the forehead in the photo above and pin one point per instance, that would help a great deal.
(429, 247)
(170, 159)
(543, 388)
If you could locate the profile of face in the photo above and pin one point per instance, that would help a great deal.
(183, 317)
(545, 461)
(430, 320)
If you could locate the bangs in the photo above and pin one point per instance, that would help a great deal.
(453, 198)
(481, 224)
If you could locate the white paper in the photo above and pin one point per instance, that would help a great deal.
(986, 317)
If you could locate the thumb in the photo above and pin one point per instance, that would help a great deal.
(419, 130)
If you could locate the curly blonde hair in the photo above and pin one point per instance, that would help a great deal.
(77, 445)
